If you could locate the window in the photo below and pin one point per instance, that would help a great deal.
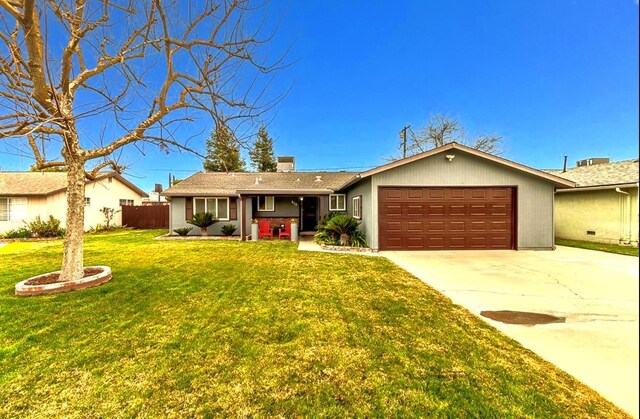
(337, 202)
(87, 201)
(355, 207)
(266, 203)
(13, 209)
(126, 202)
(219, 207)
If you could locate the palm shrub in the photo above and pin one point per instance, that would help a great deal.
(182, 231)
(228, 229)
(203, 220)
(340, 229)
(342, 226)
(357, 239)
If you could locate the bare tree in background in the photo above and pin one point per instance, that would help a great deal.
(142, 67)
(443, 129)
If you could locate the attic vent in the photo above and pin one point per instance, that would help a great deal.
(298, 180)
(318, 179)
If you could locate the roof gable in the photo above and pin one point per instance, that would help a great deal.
(556, 180)
(47, 183)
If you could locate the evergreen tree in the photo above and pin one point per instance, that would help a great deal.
(223, 152)
(262, 156)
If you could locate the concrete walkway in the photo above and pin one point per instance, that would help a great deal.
(597, 293)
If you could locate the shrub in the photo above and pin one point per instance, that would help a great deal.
(182, 231)
(102, 228)
(357, 239)
(340, 229)
(324, 220)
(203, 220)
(19, 233)
(49, 228)
(228, 229)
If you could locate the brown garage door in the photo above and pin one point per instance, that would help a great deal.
(414, 218)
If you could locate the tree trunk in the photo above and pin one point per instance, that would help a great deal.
(72, 256)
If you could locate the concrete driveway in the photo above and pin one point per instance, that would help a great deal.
(597, 293)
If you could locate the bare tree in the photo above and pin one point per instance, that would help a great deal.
(443, 129)
(142, 68)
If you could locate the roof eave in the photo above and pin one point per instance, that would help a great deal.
(600, 187)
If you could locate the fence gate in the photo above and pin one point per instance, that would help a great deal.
(146, 216)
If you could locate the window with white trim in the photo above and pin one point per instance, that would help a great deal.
(13, 209)
(355, 207)
(87, 201)
(337, 202)
(126, 202)
(266, 203)
(219, 207)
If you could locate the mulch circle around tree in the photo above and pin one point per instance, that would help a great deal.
(53, 278)
(522, 317)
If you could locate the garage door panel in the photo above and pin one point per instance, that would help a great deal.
(435, 210)
(416, 210)
(414, 226)
(446, 218)
(456, 226)
(476, 226)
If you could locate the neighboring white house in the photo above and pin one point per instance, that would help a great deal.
(26, 195)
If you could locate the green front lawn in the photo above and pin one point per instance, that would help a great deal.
(609, 248)
(224, 328)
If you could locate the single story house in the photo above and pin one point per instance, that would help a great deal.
(451, 197)
(603, 207)
(27, 195)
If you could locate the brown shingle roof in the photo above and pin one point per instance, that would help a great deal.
(227, 184)
(616, 173)
(46, 183)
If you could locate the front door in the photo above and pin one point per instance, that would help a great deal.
(309, 213)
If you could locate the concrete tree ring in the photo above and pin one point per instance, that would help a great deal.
(23, 289)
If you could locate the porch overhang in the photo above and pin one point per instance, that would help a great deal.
(286, 192)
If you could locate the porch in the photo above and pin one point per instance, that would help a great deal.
(305, 209)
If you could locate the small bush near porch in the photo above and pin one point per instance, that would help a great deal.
(227, 328)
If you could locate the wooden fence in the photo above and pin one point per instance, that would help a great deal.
(146, 216)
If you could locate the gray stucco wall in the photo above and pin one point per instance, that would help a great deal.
(284, 208)
(177, 220)
(534, 195)
(363, 188)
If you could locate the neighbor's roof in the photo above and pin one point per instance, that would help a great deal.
(230, 184)
(605, 174)
(558, 181)
(47, 183)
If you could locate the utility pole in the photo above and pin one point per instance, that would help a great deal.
(403, 135)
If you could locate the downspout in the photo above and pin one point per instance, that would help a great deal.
(628, 239)
(241, 216)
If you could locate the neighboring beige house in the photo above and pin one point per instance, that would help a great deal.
(26, 195)
(603, 207)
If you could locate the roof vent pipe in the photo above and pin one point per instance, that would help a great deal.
(564, 166)
(318, 179)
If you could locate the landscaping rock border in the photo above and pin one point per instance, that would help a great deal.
(346, 248)
(178, 237)
(23, 290)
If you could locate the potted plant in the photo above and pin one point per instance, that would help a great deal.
(254, 229)
(294, 229)
(203, 220)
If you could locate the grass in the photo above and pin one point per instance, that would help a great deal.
(226, 328)
(609, 248)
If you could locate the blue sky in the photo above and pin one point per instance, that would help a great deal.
(551, 77)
